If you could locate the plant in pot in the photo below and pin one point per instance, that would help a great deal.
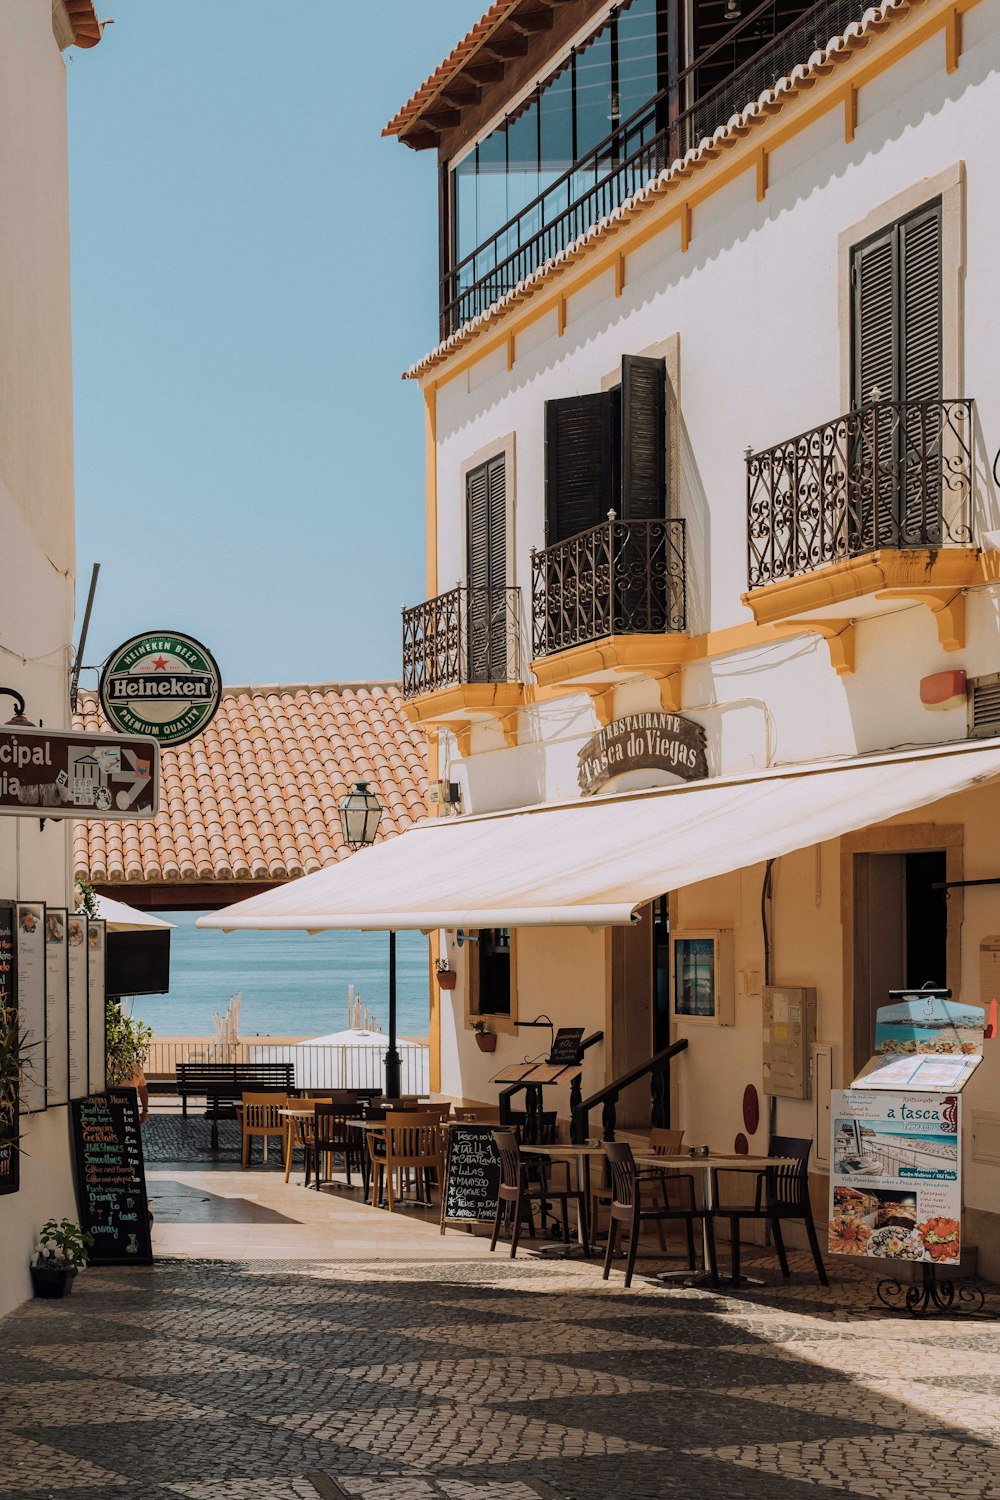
(446, 976)
(60, 1251)
(486, 1039)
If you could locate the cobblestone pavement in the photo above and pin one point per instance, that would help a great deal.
(487, 1381)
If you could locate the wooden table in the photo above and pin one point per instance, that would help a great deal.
(292, 1113)
(715, 1161)
(566, 1151)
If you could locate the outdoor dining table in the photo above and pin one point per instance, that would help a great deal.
(719, 1161)
(291, 1113)
(581, 1154)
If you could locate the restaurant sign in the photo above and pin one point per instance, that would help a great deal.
(54, 773)
(643, 742)
(162, 684)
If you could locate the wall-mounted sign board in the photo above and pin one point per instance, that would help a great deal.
(10, 1153)
(54, 773)
(643, 742)
(97, 1019)
(566, 1045)
(79, 1009)
(56, 1005)
(31, 1004)
(471, 1176)
(110, 1178)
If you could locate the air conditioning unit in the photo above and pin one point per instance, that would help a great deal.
(984, 706)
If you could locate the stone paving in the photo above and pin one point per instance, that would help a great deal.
(487, 1380)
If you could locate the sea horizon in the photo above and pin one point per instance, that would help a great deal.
(292, 984)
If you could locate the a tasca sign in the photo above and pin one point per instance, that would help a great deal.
(51, 773)
(643, 742)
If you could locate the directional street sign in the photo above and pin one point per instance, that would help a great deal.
(53, 773)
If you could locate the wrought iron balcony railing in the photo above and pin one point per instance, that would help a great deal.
(891, 474)
(619, 578)
(761, 47)
(465, 635)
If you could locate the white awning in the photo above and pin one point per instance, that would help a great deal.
(122, 918)
(594, 862)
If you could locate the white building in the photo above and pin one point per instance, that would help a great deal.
(675, 238)
(37, 558)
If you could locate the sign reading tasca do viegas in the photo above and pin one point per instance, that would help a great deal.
(643, 742)
(54, 773)
(163, 684)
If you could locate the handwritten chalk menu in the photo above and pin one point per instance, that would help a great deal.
(10, 1155)
(57, 1005)
(471, 1176)
(566, 1045)
(97, 1026)
(31, 1003)
(110, 1180)
(76, 952)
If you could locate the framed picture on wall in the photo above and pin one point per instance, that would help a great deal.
(701, 977)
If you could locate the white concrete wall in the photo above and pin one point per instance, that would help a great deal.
(36, 522)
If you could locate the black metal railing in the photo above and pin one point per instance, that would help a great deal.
(619, 578)
(657, 1069)
(465, 635)
(760, 48)
(889, 474)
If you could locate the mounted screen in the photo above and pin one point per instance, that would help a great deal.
(138, 963)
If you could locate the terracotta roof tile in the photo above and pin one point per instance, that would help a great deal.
(839, 50)
(255, 797)
(453, 64)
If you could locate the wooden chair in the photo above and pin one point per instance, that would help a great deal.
(627, 1211)
(260, 1117)
(780, 1192)
(330, 1137)
(412, 1143)
(517, 1194)
(300, 1132)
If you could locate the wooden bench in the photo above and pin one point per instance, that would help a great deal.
(225, 1083)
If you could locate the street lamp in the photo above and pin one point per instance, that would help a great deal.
(360, 815)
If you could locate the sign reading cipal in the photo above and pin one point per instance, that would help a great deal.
(55, 773)
(643, 742)
(163, 684)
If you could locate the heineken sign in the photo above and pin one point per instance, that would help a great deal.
(161, 684)
(643, 742)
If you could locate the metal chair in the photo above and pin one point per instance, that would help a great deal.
(517, 1193)
(627, 1211)
(661, 1143)
(780, 1192)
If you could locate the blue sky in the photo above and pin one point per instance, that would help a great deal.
(253, 267)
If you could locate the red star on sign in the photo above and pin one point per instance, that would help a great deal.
(160, 664)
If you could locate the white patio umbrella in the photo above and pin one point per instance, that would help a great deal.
(122, 918)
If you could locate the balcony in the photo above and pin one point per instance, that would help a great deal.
(610, 603)
(873, 507)
(464, 636)
(725, 75)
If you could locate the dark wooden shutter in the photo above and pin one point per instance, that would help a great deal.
(876, 318)
(577, 464)
(920, 294)
(643, 484)
(486, 623)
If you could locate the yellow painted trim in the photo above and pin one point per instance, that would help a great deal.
(947, 605)
(561, 316)
(839, 635)
(511, 350)
(698, 184)
(761, 175)
(638, 653)
(952, 40)
(430, 491)
(619, 275)
(853, 577)
(850, 113)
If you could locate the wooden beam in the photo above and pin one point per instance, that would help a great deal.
(506, 46)
(850, 112)
(421, 140)
(462, 93)
(761, 175)
(533, 22)
(952, 40)
(441, 118)
(485, 72)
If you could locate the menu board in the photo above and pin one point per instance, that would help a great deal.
(110, 1179)
(31, 1004)
(76, 954)
(471, 1176)
(10, 1155)
(896, 1175)
(566, 1045)
(97, 1020)
(56, 1006)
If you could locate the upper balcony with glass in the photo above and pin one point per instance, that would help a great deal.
(531, 161)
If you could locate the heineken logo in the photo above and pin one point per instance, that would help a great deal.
(164, 685)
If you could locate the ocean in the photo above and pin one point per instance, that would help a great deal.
(292, 984)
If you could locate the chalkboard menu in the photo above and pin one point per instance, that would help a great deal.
(10, 1156)
(566, 1045)
(110, 1180)
(471, 1176)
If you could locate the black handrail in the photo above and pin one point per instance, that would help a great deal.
(656, 1068)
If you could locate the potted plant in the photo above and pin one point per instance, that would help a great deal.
(60, 1251)
(446, 976)
(486, 1039)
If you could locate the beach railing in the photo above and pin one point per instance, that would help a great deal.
(317, 1065)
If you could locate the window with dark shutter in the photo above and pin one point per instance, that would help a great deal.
(486, 509)
(643, 440)
(578, 461)
(897, 352)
